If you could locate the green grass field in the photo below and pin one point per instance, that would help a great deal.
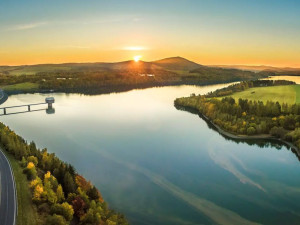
(27, 212)
(27, 86)
(284, 94)
(32, 70)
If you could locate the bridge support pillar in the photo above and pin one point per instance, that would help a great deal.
(28, 107)
(4, 111)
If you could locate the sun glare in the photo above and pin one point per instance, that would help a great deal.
(137, 58)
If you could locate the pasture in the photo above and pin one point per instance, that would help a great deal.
(283, 94)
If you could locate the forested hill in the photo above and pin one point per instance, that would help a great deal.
(97, 78)
(177, 63)
(172, 63)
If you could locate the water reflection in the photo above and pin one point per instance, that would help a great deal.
(48, 110)
(262, 143)
(163, 166)
(296, 79)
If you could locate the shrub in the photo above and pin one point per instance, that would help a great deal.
(251, 131)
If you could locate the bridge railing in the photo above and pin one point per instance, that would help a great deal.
(16, 106)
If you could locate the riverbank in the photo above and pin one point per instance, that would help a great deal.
(266, 137)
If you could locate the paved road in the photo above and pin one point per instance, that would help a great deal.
(8, 204)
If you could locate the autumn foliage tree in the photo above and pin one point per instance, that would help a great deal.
(62, 196)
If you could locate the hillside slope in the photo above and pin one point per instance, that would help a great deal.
(97, 78)
(177, 63)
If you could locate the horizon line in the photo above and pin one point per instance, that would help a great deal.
(209, 65)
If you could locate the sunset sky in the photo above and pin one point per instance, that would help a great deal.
(208, 32)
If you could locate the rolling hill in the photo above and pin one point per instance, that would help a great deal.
(108, 77)
(278, 70)
(167, 64)
(177, 63)
(283, 94)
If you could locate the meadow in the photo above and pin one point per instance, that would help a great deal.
(283, 94)
(32, 70)
(26, 86)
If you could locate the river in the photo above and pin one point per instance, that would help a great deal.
(159, 165)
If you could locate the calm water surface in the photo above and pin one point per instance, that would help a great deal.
(291, 78)
(159, 165)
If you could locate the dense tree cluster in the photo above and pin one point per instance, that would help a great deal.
(222, 75)
(62, 196)
(246, 117)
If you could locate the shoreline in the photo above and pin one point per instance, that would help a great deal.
(4, 97)
(266, 137)
(108, 89)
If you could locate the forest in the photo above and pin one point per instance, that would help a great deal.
(61, 195)
(247, 117)
(100, 78)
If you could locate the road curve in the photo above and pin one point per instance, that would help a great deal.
(8, 201)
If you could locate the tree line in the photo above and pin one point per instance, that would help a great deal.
(244, 117)
(97, 79)
(62, 196)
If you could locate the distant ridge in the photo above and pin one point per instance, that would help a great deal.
(177, 63)
(172, 65)
(102, 77)
(257, 68)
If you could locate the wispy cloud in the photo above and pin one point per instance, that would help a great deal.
(116, 19)
(227, 161)
(33, 25)
(28, 26)
(136, 19)
(216, 213)
(112, 20)
(77, 46)
(134, 48)
(72, 47)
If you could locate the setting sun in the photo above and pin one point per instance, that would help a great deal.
(196, 101)
(137, 58)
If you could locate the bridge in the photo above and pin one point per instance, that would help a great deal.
(48, 100)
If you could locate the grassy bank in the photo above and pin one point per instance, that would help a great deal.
(27, 211)
(26, 86)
